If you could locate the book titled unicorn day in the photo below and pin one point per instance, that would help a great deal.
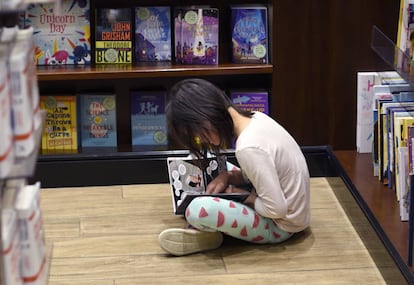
(61, 37)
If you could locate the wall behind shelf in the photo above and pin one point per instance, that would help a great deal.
(318, 48)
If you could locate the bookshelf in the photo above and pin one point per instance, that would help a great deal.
(121, 79)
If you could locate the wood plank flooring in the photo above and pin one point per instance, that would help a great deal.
(108, 236)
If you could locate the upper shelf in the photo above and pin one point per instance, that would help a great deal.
(46, 73)
(392, 55)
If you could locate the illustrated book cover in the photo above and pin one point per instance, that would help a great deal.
(97, 120)
(196, 34)
(61, 37)
(153, 33)
(60, 131)
(249, 32)
(113, 36)
(189, 177)
(251, 100)
(148, 119)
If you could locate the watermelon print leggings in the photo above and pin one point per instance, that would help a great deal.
(234, 219)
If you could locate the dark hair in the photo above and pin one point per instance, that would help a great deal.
(196, 106)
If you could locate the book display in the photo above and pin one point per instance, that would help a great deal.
(23, 258)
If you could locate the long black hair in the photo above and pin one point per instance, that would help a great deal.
(195, 108)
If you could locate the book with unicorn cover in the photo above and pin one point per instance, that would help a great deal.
(61, 36)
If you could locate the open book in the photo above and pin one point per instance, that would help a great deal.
(190, 176)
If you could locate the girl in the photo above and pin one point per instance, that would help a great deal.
(202, 117)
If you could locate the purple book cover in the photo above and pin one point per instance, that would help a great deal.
(196, 35)
(61, 37)
(251, 100)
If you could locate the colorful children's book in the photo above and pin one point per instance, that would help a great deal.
(249, 31)
(189, 177)
(153, 33)
(97, 120)
(196, 34)
(113, 35)
(61, 36)
(148, 119)
(251, 100)
(405, 35)
(60, 131)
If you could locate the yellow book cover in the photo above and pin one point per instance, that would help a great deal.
(113, 35)
(60, 132)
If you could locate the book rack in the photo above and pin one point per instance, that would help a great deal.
(401, 62)
(22, 168)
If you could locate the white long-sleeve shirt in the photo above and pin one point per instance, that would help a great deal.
(273, 162)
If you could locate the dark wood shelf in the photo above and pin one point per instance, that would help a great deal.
(156, 70)
(379, 199)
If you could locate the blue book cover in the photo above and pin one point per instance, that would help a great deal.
(249, 34)
(253, 100)
(153, 33)
(61, 37)
(97, 120)
(148, 119)
(196, 34)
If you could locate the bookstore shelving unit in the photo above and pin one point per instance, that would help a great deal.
(135, 165)
(23, 167)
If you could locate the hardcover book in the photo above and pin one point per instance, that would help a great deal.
(253, 100)
(153, 33)
(148, 119)
(196, 34)
(60, 132)
(113, 35)
(249, 34)
(189, 177)
(61, 36)
(97, 120)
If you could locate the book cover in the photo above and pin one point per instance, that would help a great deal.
(189, 177)
(405, 35)
(252, 100)
(148, 119)
(97, 120)
(365, 95)
(249, 32)
(61, 36)
(153, 33)
(113, 35)
(196, 34)
(60, 131)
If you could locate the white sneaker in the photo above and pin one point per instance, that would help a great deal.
(187, 241)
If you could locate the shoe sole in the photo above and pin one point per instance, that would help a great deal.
(186, 241)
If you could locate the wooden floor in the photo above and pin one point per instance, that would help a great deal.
(108, 236)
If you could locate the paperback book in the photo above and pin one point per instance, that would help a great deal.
(189, 177)
(148, 119)
(60, 131)
(61, 36)
(196, 34)
(113, 35)
(253, 100)
(249, 32)
(97, 120)
(153, 33)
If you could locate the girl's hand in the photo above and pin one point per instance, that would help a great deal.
(219, 184)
